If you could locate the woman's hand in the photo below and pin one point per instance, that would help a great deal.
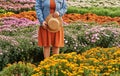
(44, 25)
(56, 14)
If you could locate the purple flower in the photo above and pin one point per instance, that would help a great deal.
(16, 5)
(12, 22)
(97, 32)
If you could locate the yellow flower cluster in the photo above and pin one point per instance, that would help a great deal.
(31, 15)
(18, 69)
(8, 14)
(21, 64)
(94, 62)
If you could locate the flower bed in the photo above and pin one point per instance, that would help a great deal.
(93, 62)
(17, 5)
(11, 23)
(82, 36)
(94, 3)
(31, 15)
(21, 44)
(72, 17)
(101, 11)
(89, 18)
(18, 41)
(18, 69)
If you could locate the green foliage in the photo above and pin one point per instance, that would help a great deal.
(4, 44)
(26, 48)
(18, 69)
(24, 31)
(24, 52)
(108, 11)
(2, 11)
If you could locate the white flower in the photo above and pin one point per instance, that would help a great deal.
(1, 53)
(74, 47)
(66, 41)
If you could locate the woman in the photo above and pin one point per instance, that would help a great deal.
(46, 39)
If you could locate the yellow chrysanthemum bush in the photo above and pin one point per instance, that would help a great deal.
(18, 69)
(94, 62)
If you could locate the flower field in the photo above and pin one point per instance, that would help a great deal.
(94, 3)
(92, 40)
(93, 62)
(17, 5)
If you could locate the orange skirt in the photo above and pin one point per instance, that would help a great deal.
(46, 38)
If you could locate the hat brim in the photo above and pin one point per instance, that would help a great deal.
(58, 18)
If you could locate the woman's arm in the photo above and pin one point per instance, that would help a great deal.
(63, 10)
(38, 8)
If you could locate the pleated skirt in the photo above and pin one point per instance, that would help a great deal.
(46, 38)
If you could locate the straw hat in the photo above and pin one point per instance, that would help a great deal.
(54, 24)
